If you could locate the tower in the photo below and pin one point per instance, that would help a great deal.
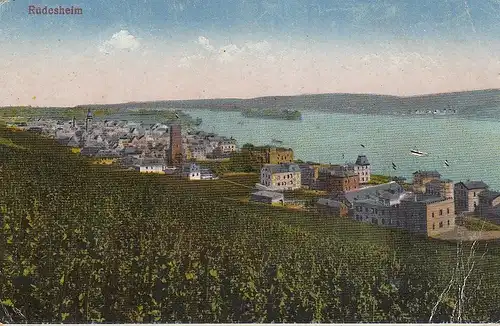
(88, 120)
(175, 153)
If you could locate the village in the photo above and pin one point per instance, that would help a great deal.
(430, 205)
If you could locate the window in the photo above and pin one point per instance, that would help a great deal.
(433, 226)
(440, 212)
(432, 214)
(448, 211)
(440, 224)
(474, 194)
(448, 222)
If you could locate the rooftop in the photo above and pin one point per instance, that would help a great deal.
(282, 168)
(329, 202)
(362, 160)
(435, 174)
(269, 194)
(474, 185)
(424, 198)
(374, 191)
(489, 194)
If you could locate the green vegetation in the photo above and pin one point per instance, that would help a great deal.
(87, 243)
(376, 179)
(9, 142)
(478, 224)
(272, 114)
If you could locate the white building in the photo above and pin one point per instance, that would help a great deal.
(362, 168)
(191, 171)
(281, 177)
(151, 166)
(227, 146)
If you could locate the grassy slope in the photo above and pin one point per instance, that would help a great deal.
(252, 227)
(478, 224)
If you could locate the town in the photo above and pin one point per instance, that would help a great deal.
(430, 205)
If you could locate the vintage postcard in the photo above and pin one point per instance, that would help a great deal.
(249, 161)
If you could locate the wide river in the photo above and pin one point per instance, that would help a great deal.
(470, 146)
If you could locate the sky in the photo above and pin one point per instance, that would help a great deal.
(142, 50)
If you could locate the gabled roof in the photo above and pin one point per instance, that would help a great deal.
(470, 185)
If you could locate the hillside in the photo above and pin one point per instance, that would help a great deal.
(469, 104)
(482, 103)
(86, 243)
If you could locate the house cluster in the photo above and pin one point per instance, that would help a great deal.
(279, 175)
(430, 207)
(148, 148)
(108, 138)
(201, 146)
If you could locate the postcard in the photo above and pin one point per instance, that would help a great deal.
(249, 161)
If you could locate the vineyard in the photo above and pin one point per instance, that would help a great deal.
(87, 243)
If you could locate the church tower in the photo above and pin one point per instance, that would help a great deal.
(88, 120)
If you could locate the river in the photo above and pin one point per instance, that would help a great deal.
(470, 146)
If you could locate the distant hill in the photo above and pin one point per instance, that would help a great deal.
(466, 103)
(481, 103)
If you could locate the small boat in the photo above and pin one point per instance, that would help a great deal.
(418, 153)
(276, 141)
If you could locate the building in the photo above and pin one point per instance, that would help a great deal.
(268, 197)
(350, 197)
(467, 195)
(175, 152)
(206, 174)
(421, 178)
(338, 181)
(426, 214)
(281, 177)
(269, 154)
(149, 165)
(380, 205)
(191, 171)
(332, 207)
(88, 120)
(362, 168)
(227, 146)
(197, 152)
(489, 205)
(440, 188)
(309, 174)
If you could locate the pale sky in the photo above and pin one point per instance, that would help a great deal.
(144, 50)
